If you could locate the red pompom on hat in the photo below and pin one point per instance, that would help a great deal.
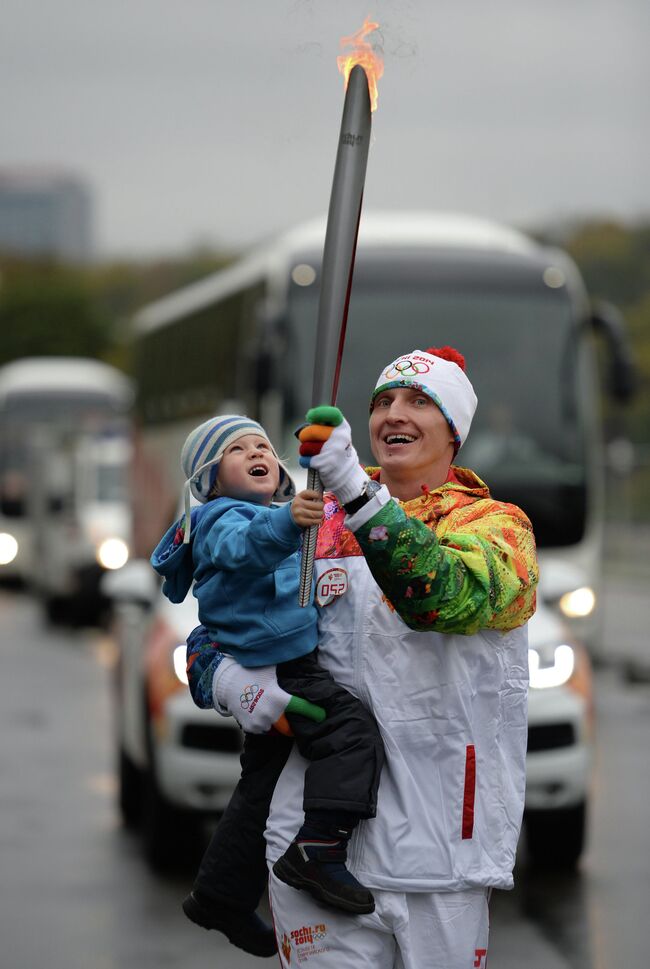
(448, 353)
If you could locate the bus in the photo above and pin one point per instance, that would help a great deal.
(242, 340)
(46, 405)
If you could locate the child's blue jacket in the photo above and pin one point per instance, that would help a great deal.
(245, 564)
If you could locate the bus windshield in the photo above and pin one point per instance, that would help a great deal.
(48, 408)
(526, 440)
(21, 414)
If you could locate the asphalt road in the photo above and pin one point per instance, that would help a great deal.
(75, 892)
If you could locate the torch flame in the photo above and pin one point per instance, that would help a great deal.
(362, 53)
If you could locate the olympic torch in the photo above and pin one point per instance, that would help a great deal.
(361, 68)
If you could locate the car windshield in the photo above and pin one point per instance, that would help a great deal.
(526, 439)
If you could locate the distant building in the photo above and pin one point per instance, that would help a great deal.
(45, 212)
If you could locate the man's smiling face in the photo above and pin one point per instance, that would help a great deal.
(249, 470)
(408, 431)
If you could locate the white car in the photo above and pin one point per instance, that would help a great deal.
(560, 742)
(178, 763)
(81, 519)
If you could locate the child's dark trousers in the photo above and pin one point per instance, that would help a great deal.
(345, 755)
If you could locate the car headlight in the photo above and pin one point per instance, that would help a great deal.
(113, 553)
(180, 664)
(578, 603)
(8, 548)
(550, 667)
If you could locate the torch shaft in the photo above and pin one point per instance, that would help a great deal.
(341, 234)
(337, 271)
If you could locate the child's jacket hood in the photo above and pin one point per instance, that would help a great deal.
(173, 560)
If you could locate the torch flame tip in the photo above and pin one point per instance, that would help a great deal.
(362, 55)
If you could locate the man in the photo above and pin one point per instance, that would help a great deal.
(425, 584)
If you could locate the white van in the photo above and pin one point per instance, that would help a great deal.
(42, 398)
(81, 516)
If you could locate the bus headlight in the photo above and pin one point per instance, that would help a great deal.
(180, 663)
(554, 671)
(113, 553)
(579, 603)
(8, 548)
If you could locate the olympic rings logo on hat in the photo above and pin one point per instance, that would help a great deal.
(407, 368)
(248, 694)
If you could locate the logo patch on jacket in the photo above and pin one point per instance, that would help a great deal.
(309, 940)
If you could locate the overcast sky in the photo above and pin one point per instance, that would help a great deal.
(206, 120)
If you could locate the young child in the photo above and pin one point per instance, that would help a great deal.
(242, 554)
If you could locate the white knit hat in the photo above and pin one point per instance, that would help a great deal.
(439, 373)
(202, 452)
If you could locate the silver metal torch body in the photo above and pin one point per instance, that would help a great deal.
(337, 271)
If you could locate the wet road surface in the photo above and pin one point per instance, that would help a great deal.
(76, 893)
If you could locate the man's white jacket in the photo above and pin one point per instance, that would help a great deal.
(452, 709)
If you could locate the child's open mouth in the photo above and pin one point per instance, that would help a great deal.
(258, 471)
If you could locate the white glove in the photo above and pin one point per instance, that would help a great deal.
(251, 696)
(338, 465)
(254, 698)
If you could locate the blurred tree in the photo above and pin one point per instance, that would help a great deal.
(614, 260)
(50, 309)
(45, 311)
(638, 319)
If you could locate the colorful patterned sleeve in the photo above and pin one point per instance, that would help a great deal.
(203, 657)
(478, 570)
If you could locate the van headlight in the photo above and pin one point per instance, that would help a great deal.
(552, 666)
(112, 553)
(8, 548)
(578, 603)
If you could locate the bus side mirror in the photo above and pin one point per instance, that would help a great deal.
(608, 321)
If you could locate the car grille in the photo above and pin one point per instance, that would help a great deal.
(199, 737)
(550, 736)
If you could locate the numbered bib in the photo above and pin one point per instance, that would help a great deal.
(331, 584)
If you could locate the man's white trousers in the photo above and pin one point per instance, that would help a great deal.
(437, 930)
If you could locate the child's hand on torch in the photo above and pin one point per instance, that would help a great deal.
(307, 508)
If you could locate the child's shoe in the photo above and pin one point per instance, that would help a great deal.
(318, 867)
(246, 930)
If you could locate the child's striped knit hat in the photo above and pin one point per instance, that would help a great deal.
(203, 450)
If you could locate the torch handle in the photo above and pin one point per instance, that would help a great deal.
(308, 547)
